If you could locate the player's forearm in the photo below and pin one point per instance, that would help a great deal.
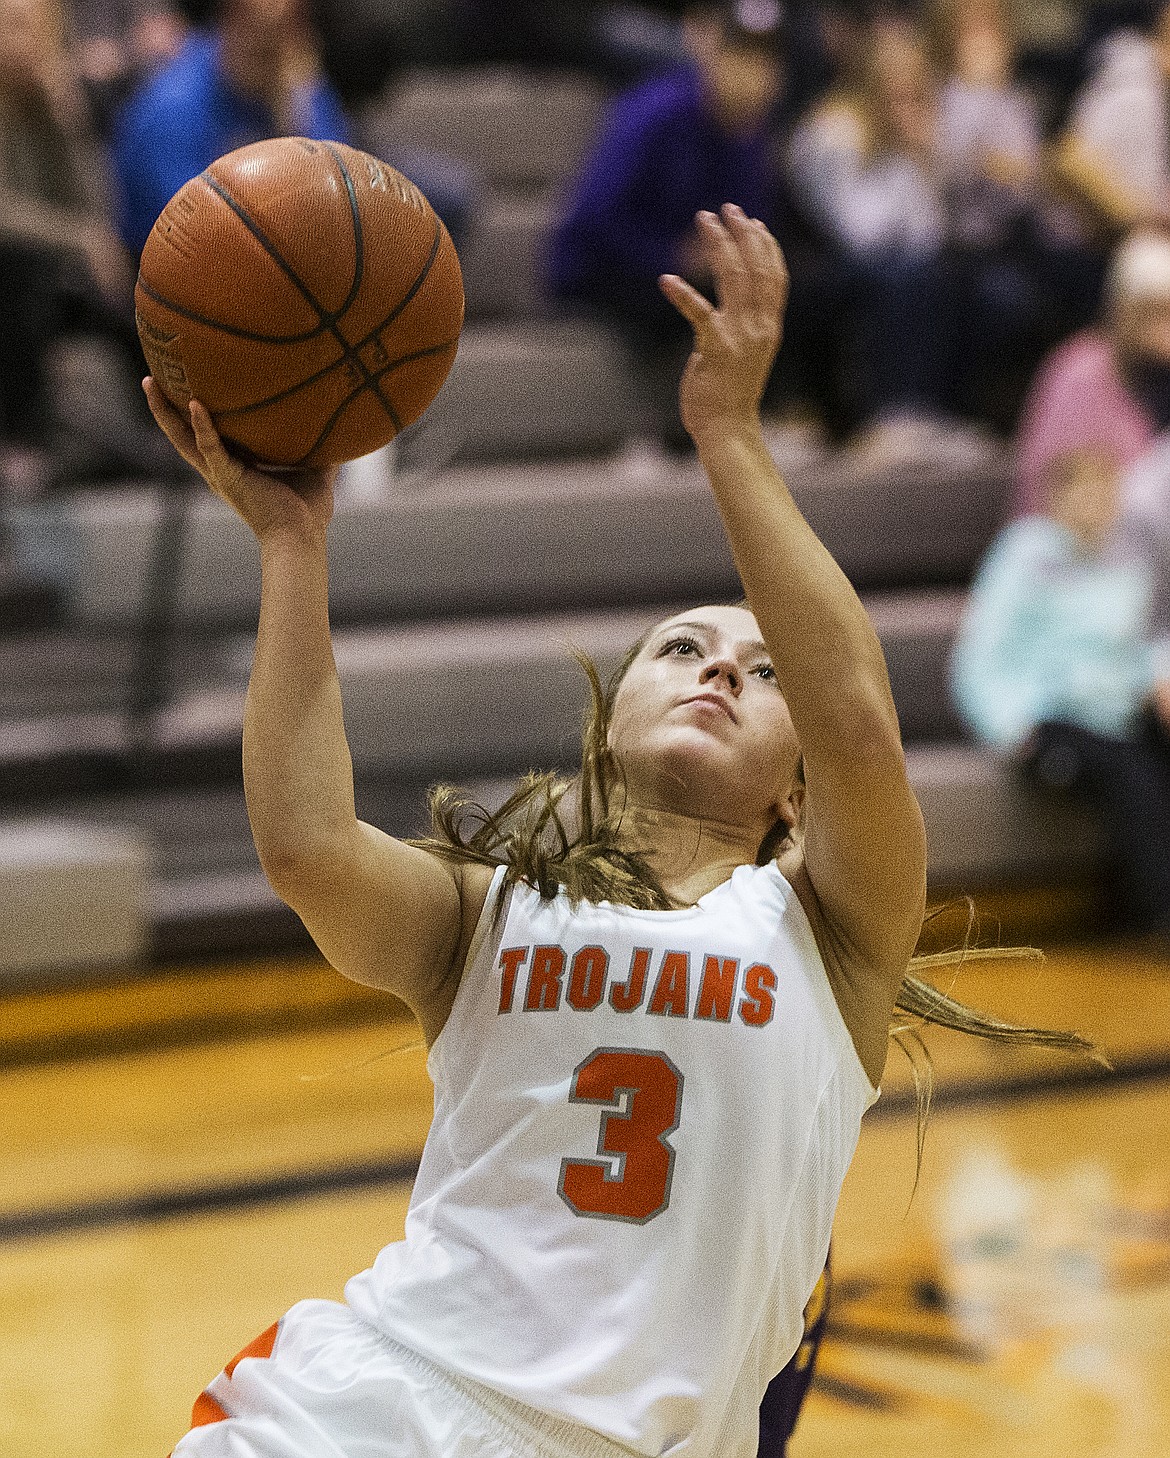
(298, 775)
(828, 660)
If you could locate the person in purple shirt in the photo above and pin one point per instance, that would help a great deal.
(688, 140)
(252, 75)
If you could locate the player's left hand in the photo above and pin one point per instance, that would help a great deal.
(735, 341)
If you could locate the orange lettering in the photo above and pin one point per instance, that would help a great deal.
(717, 991)
(672, 991)
(544, 980)
(511, 960)
(625, 996)
(758, 1005)
(587, 978)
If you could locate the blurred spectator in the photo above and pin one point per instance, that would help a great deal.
(1114, 154)
(691, 139)
(1053, 666)
(864, 165)
(63, 274)
(253, 75)
(988, 132)
(117, 43)
(987, 149)
(1105, 390)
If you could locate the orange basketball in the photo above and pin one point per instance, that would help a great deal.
(307, 294)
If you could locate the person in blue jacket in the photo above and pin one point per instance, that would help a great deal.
(1055, 667)
(250, 75)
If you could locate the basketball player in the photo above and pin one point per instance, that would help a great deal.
(654, 1022)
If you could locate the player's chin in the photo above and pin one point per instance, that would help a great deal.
(700, 753)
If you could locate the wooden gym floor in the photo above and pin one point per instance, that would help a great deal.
(184, 1157)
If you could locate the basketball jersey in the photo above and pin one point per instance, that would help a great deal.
(642, 1124)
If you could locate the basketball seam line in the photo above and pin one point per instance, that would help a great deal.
(294, 338)
(333, 419)
(328, 319)
(384, 370)
(228, 329)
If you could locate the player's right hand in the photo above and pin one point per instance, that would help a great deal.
(268, 501)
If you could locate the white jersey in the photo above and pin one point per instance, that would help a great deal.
(642, 1123)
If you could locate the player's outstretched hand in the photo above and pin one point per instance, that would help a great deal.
(267, 502)
(737, 339)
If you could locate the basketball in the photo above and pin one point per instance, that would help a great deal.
(307, 294)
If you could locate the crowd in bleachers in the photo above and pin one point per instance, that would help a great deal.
(946, 181)
(973, 197)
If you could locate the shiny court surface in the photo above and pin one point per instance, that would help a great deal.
(183, 1158)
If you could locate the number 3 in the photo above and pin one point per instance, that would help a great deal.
(635, 1136)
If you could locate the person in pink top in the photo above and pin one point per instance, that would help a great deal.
(1105, 391)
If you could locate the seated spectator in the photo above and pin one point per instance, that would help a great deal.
(1114, 153)
(1106, 390)
(691, 139)
(63, 274)
(864, 167)
(1022, 283)
(988, 132)
(252, 75)
(1053, 666)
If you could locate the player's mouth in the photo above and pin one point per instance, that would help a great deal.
(718, 701)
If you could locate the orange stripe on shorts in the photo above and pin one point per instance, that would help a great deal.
(206, 1409)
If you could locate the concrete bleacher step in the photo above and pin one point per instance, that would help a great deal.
(49, 674)
(419, 697)
(547, 387)
(450, 540)
(480, 701)
(28, 603)
(504, 256)
(510, 126)
(74, 896)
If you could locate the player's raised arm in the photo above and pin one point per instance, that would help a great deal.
(864, 839)
(382, 912)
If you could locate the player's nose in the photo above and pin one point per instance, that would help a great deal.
(721, 668)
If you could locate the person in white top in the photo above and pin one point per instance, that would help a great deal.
(657, 1000)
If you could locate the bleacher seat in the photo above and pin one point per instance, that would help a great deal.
(516, 129)
(74, 897)
(503, 256)
(512, 537)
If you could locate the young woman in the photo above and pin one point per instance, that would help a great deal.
(653, 1022)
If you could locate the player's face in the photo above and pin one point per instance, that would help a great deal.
(699, 723)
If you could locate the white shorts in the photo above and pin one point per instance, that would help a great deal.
(324, 1383)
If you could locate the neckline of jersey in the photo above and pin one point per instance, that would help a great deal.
(679, 912)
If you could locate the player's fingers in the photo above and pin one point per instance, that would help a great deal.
(755, 249)
(782, 276)
(732, 281)
(690, 303)
(763, 259)
(172, 424)
(220, 464)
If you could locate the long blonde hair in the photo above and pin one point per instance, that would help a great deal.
(557, 832)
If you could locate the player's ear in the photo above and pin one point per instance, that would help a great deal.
(790, 807)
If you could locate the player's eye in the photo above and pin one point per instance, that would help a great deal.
(765, 671)
(681, 645)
